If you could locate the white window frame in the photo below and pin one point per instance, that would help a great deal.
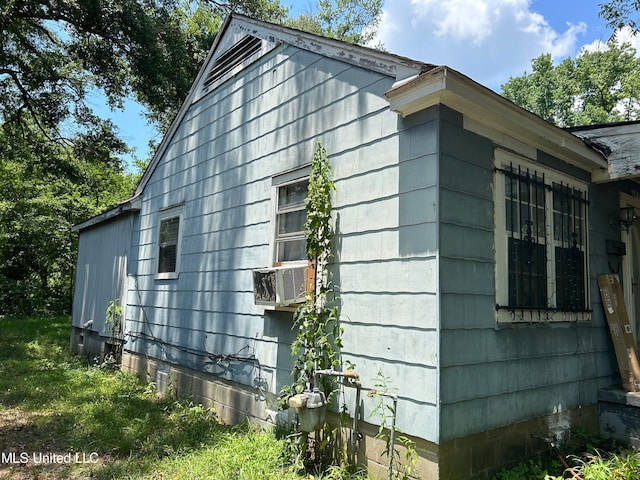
(502, 161)
(279, 181)
(166, 214)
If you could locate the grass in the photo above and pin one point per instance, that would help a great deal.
(599, 460)
(55, 404)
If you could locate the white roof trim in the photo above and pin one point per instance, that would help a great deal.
(131, 205)
(443, 85)
(393, 65)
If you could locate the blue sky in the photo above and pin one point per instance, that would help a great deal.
(487, 40)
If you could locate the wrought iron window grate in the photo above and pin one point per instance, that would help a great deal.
(546, 242)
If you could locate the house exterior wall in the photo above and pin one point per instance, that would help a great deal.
(219, 168)
(494, 376)
(386, 268)
(101, 277)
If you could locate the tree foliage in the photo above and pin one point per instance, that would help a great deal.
(596, 87)
(45, 188)
(353, 21)
(621, 13)
(53, 52)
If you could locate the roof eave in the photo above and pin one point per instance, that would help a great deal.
(383, 62)
(443, 85)
(130, 205)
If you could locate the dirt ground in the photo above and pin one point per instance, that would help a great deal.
(28, 450)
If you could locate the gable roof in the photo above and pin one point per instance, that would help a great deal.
(417, 85)
(238, 27)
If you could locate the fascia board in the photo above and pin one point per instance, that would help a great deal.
(392, 65)
(445, 86)
(368, 58)
(131, 205)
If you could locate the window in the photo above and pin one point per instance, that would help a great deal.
(290, 214)
(541, 243)
(169, 243)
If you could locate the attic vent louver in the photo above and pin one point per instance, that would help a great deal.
(232, 57)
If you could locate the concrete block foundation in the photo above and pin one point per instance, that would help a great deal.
(620, 415)
(473, 457)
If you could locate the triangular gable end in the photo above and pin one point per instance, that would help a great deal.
(243, 40)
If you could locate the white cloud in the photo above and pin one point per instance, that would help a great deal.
(625, 35)
(488, 40)
(460, 19)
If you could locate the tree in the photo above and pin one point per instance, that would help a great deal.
(621, 13)
(45, 188)
(353, 21)
(596, 87)
(53, 52)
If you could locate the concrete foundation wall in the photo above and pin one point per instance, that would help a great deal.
(620, 415)
(476, 456)
(233, 402)
(90, 344)
(479, 456)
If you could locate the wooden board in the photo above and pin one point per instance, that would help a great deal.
(621, 333)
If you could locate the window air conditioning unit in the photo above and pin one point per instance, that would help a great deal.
(280, 286)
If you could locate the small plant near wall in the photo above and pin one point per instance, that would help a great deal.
(386, 411)
(113, 318)
(113, 321)
(316, 346)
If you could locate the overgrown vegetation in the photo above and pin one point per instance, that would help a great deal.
(401, 466)
(53, 402)
(586, 456)
(61, 164)
(319, 335)
(45, 188)
(316, 321)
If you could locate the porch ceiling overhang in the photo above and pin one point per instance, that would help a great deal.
(443, 85)
(619, 143)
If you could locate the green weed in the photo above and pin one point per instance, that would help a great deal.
(53, 401)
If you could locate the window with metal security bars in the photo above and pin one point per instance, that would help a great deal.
(541, 245)
(233, 57)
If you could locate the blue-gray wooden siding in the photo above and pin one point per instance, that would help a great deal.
(220, 165)
(414, 252)
(491, 377)
(101, 271)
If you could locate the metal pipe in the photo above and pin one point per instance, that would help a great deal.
(354, 428)
(351, 378)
